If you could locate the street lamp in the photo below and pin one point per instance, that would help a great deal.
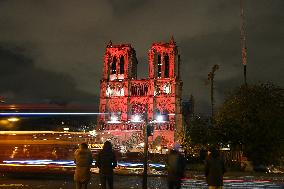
(148, 131)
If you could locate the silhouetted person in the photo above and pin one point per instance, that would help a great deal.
(83, 160)
(106, 162)
(214, 170)
(176, 166)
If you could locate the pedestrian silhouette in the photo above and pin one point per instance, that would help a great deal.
(214, 169)
(106, 162)
(83, 160)
(176, 164)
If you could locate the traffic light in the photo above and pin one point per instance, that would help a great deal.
(150, 130)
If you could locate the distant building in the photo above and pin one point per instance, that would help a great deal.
(127, 101)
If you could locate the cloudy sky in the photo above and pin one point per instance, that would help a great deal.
(54, 49)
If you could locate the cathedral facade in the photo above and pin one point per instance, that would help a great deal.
(128, 103)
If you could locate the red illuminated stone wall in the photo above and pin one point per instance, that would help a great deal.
(123, 96)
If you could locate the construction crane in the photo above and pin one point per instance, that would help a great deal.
(243, 40)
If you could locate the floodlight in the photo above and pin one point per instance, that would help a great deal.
(114, 119)
(136, 118)
(159, 118)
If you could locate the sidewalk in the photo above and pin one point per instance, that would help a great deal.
(129, 182)
(247, 176)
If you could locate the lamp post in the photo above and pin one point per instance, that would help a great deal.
(145, 162)
(148, 130)
(137, 119)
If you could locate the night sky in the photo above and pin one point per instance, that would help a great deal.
(53, 50)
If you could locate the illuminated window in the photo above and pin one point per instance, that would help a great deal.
(167, 66)
(121, 92)
(159, 66)
(108, 91)
(139, 90)
(167, 89)
(114, 91)
(113, 66)
(121, 65)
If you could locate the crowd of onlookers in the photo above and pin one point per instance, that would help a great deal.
(106, 161)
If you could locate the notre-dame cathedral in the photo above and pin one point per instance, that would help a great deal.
(125, 100)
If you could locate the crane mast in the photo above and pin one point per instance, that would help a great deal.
(243, 41)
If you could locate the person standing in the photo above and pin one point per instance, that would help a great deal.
(83, 160)
(176, 164)
(214, 170)
(106, 162)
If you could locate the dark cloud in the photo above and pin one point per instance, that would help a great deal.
(199, 54)
(64, 41)
(22, 82)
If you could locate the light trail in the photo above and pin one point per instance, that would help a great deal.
(71, 163)
(47, 113)
(41, 132)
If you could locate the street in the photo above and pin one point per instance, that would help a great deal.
(127, 182)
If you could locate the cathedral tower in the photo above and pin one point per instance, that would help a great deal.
(120, 66)
(119, 62)
(164, 63)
